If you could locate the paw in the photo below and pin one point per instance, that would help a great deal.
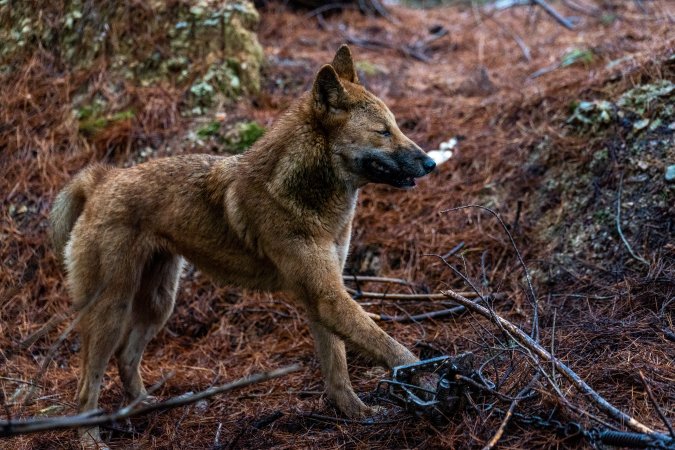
(352, 406)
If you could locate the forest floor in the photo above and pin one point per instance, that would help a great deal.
(552, 133)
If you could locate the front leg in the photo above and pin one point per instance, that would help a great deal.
(313, 272)
(330, 350)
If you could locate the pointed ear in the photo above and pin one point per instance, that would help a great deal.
(344, 64)
(328, 92)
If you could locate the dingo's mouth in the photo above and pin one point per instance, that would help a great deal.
(380, 170)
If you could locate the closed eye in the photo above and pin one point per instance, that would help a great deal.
(384, 133)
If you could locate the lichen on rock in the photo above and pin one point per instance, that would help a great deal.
(190, 44)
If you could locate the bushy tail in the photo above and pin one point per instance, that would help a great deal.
(70, 202)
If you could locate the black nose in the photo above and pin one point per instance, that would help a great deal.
(429, 164)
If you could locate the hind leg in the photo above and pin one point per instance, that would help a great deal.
(151, 308)
(101, 325)
(103, 292)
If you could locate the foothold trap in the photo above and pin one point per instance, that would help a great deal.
(403, 387)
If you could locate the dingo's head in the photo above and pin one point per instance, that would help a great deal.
(366, 144)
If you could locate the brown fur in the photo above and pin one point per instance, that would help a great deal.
(275, 218)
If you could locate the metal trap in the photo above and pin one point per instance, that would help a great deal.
(440, 403)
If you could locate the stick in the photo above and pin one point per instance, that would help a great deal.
(507, 418)
(528, 278)
(386, 296)
(656, 405)
(527, 342)
(518, 40)
(365, 278)
(618, 225)
(45, 329)
(555, 14)
(430, 315)
(98, 417)
(454, 250)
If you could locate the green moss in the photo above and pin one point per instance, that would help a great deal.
(650, 98)
(91, 122)
(209, 130)
(577, 56)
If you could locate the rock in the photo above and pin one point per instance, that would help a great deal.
(207, 47)
(670, 173)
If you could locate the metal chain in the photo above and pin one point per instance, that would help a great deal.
(597, 437)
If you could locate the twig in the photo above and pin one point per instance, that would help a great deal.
(555, 14)
(417, 317)
(555, 314)
(98, 417)
(16, 380)
(527, 342)
(50, 356)
(454, 250)
(369, 279)
(45, 329)
(656, 405)
(509, 413)
(618, 225)
(515, 36)
(327, 7)
(216, 440)
(544, 71)
(386, 296)
(583, 9)
(528, 278)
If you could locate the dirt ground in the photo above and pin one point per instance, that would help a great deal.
(555, 183)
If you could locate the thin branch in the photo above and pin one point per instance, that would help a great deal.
(515, 36)
(618, 225)
(370, 279)
(423, 316)
(98, 417)
(49, 357)
(551, 11)
(386, 296)
(45, 329)
(509, 413)
(656, 405)
(454, 250)
(528, 278)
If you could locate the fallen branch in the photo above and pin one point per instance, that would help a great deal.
(99, 417)
(551, 11)
(370, 279)
(386, 296)
(530, 344)
(455, 310)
